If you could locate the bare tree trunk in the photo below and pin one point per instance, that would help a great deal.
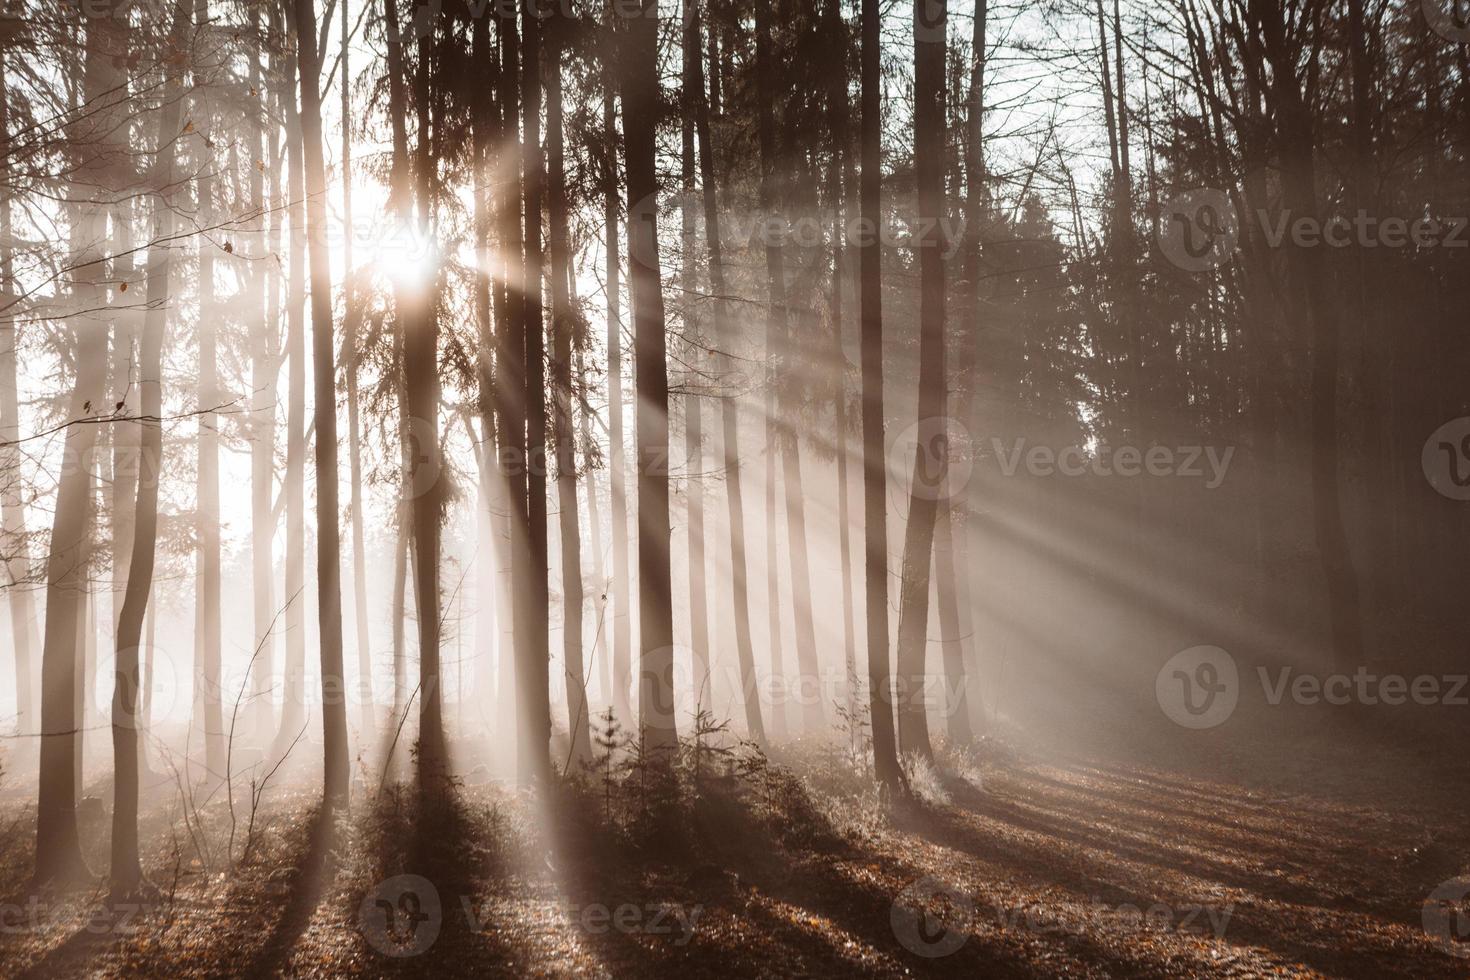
(510, 380)
(875, 466)
(207, 699)
(655, 601)
(930, 474)
(533, 666)
(293, 707)
(780, 432)
(562, 326)
(17, 551)
(622, 594)
(58, 845)
(699, 644)
(329, 571)
(126, 872)
(839, 176)
(594, 531)
(729, 408)
(264, 368)
(352, 320)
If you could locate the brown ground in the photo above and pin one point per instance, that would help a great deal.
(1009, 864)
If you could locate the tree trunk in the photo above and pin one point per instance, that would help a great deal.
(839, 175)
(622, 594)
(352, 320)
(780, 432)
(126, 871)
(207, 643)
(329, 570)
(655, 602)
(875, 466)
(264, 369)
(93, 138)
(693, 412)
(534, 663)
(563, 324)
(726, 333)
(293, 707)
(12, 507)
(930, 474)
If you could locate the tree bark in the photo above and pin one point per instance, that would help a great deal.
(126, 872)
(17, 552)
(534, 664)
(929, 475)
(726, 332)
(563, 317)
(655, 602)
(329, 570)
(875, 466)
(622, 582)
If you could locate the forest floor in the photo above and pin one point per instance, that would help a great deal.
(1261, 859)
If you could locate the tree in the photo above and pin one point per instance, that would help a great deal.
(875, 466)
(563, 326)
(126, 872)
(92, 144)
(329, 569)
(622, 579)
(729, 404)
(639, 74)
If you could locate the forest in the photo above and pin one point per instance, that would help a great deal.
(734, 488)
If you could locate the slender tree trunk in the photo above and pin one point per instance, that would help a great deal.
(264, 369)
(17, 551)
(126, 871)
(699, 644)
(839, 176)
(293, 708)
(622, 594)
(563, 324)
(594, 532)
(726, 332)
(352, 320)
(329, 569)
(534, 664)
(207, 644)
(655, 601)
(510, 382)
(92, 135)
(875, 467)
(930, 474)
(780, 432)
